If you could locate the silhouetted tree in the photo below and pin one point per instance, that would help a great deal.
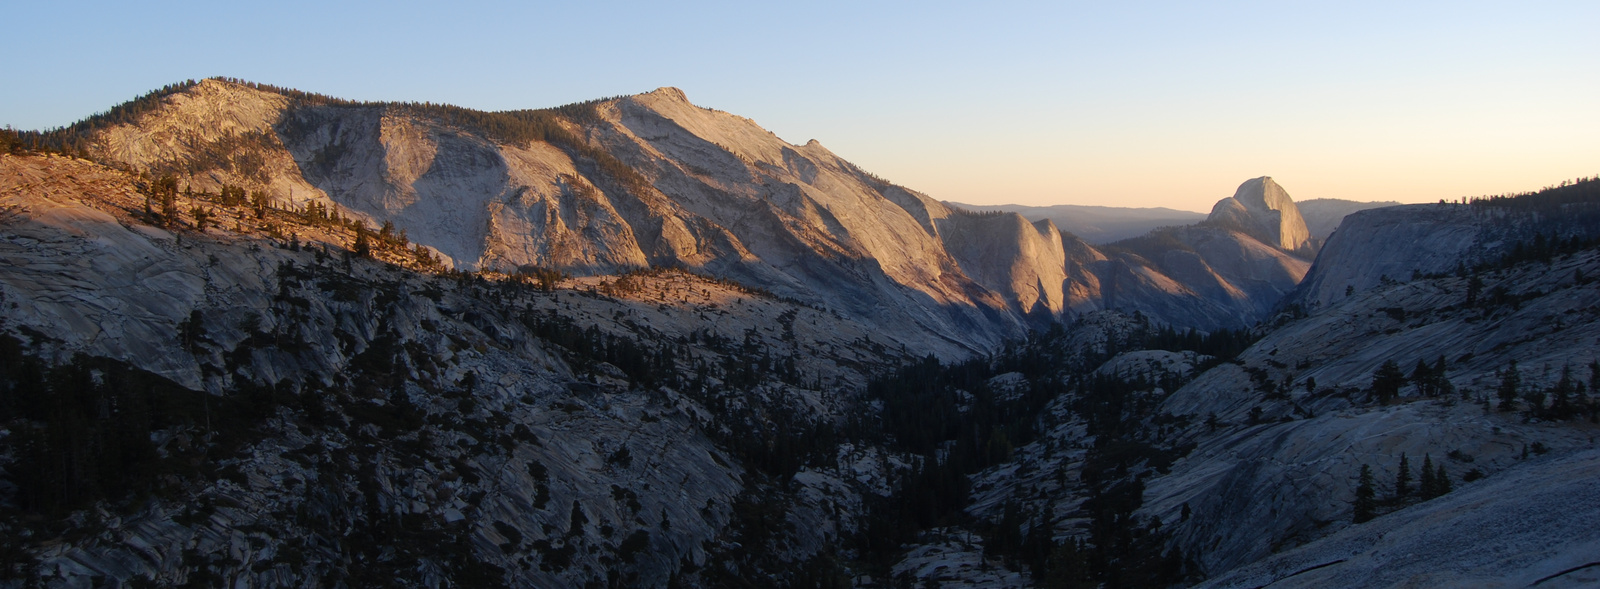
(1422, 377)
(1386, 381)
(1562, 405)
(1441, 379)
(1364, 503)
(363, 245)
(1427, 488)
(1402, 479)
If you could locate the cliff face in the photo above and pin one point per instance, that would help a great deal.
(718, 194)
(1025, 262)
(1393, 244)
(1262, 209)
(1205, 276)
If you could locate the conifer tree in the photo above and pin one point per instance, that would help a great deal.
(1402, 479)
(1364, 503)
(1422, 377)
(1441, 480)
(1561, 406)
(1535, 397)
(259, 202)
(1387, 380)
(201, 216)
(363, 245)
(1427, 487)
(1441, 379)
(165, 191)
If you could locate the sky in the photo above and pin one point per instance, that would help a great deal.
(1108, 103)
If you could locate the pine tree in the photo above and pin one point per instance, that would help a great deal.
(259, 202)
(1561, 407)
(1510, 382)
(1422, 377)
(1364, 503)
(165, 190)
(1402, 479)
(1427, 487)
(1387, 380)
(363, 245)
(1535, 397)
(1441, 480)
(202, 217)
(1442, 380)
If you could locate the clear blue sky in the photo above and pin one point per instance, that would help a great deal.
(1114, 103)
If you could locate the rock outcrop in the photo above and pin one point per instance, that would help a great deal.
(1262, 209)
(1380, 246)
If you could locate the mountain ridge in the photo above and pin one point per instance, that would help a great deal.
(647, 180)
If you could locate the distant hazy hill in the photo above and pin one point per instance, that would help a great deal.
(1097, 224)
(1323, 215)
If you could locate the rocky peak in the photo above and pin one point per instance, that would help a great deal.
(1263, 209)
(669, 92)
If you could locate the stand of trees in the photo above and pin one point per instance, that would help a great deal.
(948, 416)
(1433, 482)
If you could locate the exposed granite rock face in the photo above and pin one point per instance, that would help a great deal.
(1203, 276)
(1262, 209)
(1266, 448)
(1392, 244)
(1025, 262)
(419, 423)
(708, 191)
(1280, 469)
(1533, 524)
(719, 195)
